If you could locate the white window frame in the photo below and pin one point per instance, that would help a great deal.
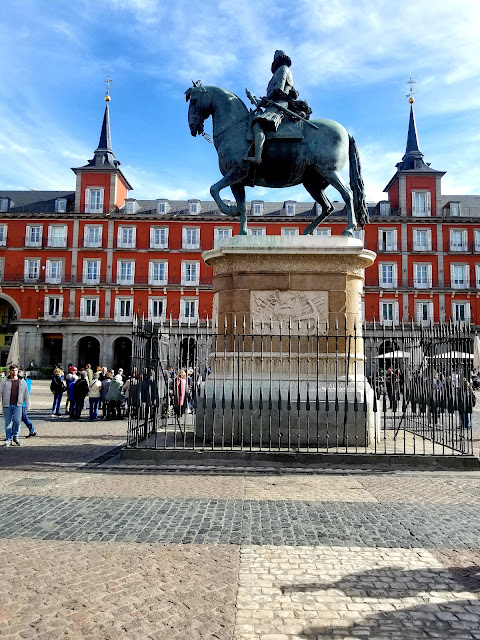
(465, 281)
(217, 236)
(419, 306)
(183, 306)
(49, 277)
(388, 285)
(2, 268)
(85, 277)
(422, 211)
(28, 235)
(86, 232)
(61, 205)
(420, 247)
(477, 276)
(476, 236)
(84, 307)
(455, 246)
(118, 309)
(384, 208)
(383, 243)
(4, 205)
(158, 245)
(151, 270)
(151, 304)
(359, 234)
(319, 231)
(455, 210)
(455, 305)
(257, 208)
(290, 208)
(97, 207)
(422, 283)
(26, 270)
(61, 241)
(290, 231)
(123, 279)
(257, 231)
(394, 320)
(194, 207)
(189, 245)
(186, 267)
(46, 308)
(161, 206)
(3, 235)
(130, 243)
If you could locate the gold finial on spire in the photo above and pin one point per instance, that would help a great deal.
(411, 93)
(107, 94)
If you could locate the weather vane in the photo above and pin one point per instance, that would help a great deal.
(411, 93)
(107, 95)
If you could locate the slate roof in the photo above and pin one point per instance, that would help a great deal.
(37, 201)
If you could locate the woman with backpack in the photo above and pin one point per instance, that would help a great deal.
(57, 387)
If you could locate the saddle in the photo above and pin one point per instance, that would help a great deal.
(288, 129)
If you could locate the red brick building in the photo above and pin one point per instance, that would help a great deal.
(76, 265)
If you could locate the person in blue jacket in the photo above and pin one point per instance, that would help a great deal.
(25, 419)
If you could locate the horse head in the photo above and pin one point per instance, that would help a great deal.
(200, 107)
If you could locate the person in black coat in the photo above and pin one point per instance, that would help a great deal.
(80, 392)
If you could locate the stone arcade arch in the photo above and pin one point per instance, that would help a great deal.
(88, 350)
(122, 354)
(9, 316)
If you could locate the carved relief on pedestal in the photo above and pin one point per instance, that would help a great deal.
(304, 309)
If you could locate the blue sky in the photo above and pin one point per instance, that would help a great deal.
(351, 62)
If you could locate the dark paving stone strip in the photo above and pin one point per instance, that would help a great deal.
(293, 523)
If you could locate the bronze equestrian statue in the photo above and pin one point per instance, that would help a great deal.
(288, 148)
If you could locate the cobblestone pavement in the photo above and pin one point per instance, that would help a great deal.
(103, 553)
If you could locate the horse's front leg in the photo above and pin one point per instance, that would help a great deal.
(238, 191)
(235, 174)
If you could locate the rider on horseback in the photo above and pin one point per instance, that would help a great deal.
(281, 90)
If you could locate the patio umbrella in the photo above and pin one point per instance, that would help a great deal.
(455, 355)
(14, 353)
(394, 354)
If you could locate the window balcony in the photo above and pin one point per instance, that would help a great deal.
(93, 244)
(415, 247)
(385, 247)
(415, 283)
(455, 247)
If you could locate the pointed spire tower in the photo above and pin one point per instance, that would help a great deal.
(416, 187)
(101, 185)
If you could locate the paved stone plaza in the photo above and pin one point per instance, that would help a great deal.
(89, 549)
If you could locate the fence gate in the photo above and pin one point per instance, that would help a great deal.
(397, 391)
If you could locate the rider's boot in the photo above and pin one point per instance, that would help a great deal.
(258, 141)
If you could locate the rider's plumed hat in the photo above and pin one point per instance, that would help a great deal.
(280, 58)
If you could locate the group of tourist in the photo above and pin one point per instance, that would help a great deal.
(104, 389)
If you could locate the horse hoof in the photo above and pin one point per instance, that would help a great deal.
(348, 233)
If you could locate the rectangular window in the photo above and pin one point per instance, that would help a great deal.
(290, 231)
(389, 312)
(92, 236)
(53, 308)
(458, 240)
(157, 273)
(387, 275)
(158, 237)
(476, 235)
(322, 232)
(256, 232)
(124, 309)
(91, 271)
(193, 208)
(477, 276)
(257, 208)
(384, 208)
(157, 308)
(4, 204)
(32, 270)
(53, 271)
(125, 272)
(222, 232)
(460, 276)
(126, 238)
(57, 235)
(422, 275)
(190, 273)
(89, 309)
(421, 203)
(61, 205)
(422, 240)
(33, 236)
(461, 311)
(359, 235)
(161, 207)
(387, 239)
(2, 268)
(93, 200)
(188, 310)
(424, 312)
(455, 209)
(191, 238)
(3, 235)
(290, 208)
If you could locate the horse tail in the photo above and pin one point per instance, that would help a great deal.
(356, 185)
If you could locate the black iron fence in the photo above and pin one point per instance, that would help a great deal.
(302, 387)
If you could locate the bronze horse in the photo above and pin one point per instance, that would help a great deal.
(315, 161)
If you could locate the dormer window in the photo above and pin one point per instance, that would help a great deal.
(194, 207)
(163, 206)
(131, 205)
(93, 200)
(257, 208)
(384, 208)
(290, 208)
(61, 205)
(455, 209)
(421, 205)
(4, 204)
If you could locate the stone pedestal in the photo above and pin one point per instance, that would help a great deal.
(288, 312)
